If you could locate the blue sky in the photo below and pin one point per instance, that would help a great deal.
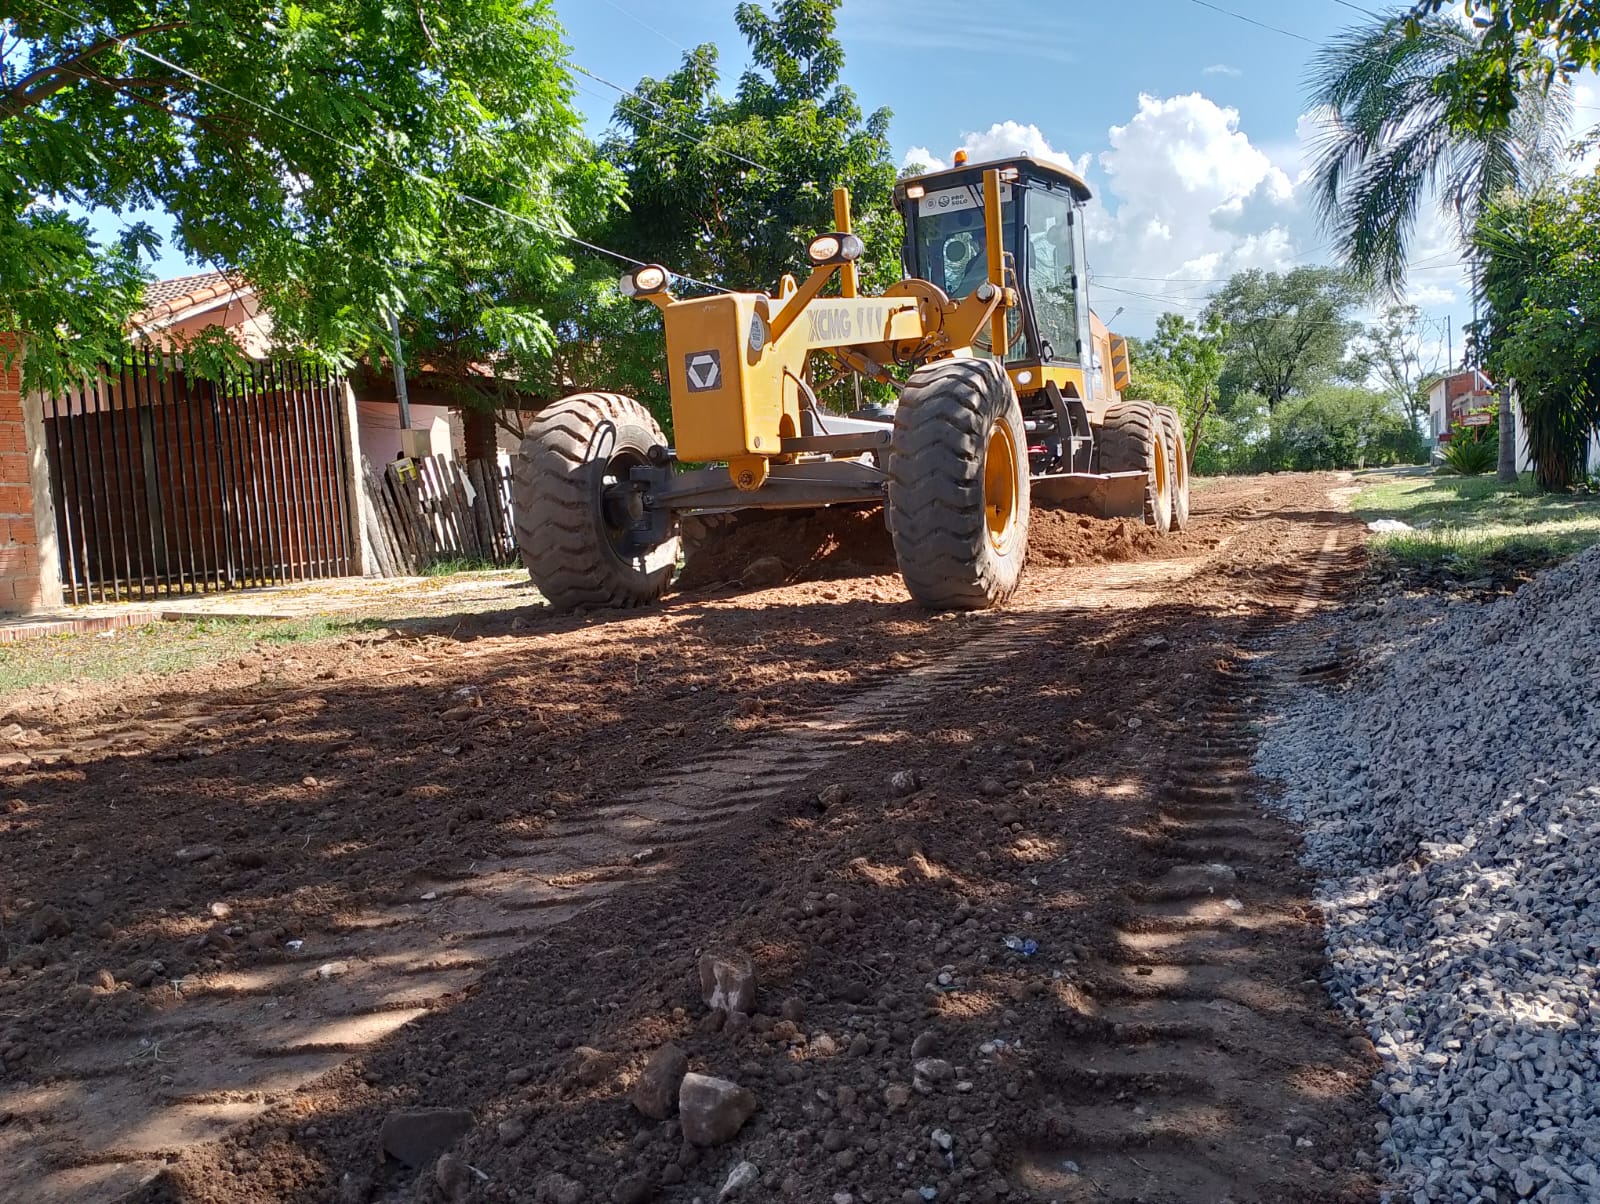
(1189, 122)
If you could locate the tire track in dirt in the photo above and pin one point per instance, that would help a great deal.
(1155, 1070)
(237, 1043)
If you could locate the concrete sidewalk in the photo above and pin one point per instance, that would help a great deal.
(303, 599)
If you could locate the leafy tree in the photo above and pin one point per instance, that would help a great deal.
(728, 191)
(731, 190)
(1541, 280)
(1344, 427)
(1180, 366)
(1332, 426)
(1394, 355)
(1392, 140)
(327, 161)
(1542, 42)
(1285, 333)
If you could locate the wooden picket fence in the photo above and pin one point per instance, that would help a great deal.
(437, 509)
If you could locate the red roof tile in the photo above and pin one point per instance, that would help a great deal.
(165, 298)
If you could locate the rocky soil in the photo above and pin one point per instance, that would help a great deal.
(1016, 933)
(1450, 792)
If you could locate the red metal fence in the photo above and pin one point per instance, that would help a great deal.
(169, 484)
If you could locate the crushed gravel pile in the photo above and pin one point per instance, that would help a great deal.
(1450, 795)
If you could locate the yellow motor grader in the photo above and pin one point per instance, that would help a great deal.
(1008, 387)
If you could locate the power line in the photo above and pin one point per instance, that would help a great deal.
(1228, 12)
(1192, 302)
(637, 20)
(1366, 12)
(410, 172)
(1166, 279)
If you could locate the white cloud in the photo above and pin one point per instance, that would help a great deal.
(1189, 200)
(1429, 296)
(1223, 69)
(1002, 140)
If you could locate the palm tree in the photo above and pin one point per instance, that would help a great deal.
(1390, 142)
(1390, 145)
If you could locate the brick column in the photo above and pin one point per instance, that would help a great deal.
(29, 574)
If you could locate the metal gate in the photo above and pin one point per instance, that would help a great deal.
(170, 484)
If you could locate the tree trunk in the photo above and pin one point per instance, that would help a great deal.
(1508, 438)
(1199, 422)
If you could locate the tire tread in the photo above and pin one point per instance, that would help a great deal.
(558, 533)
(936, 515)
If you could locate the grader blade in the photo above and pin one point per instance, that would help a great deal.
(1103, 495)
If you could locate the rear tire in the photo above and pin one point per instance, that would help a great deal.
(575, 544)
(958, 485)
(1131, 441)
(1177, 465)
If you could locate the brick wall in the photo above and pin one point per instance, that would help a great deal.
(20, 588)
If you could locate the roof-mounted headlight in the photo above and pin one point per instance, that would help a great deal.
(641, 282)
(835, 248)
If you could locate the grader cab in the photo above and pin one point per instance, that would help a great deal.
(1007, 387)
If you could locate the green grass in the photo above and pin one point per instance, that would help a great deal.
(1472, 526)
(462, 564)
(158, 649)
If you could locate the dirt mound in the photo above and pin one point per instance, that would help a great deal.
(814, 545)
(1061, 538)
(809, 544)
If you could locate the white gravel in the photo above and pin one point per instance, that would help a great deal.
(1450, 796)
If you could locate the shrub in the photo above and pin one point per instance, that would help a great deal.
(1474, 449)
(1471, 457)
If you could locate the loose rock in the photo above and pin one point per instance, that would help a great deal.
(744, 1176)
(558, 1189)
(46, 923)
(656, 1093)
(452, 1176)
(728, 982)
(712, 1110)
(635, 1189)
(763, 573)
(590, 1067)
(417, 1136)
(1450, 808)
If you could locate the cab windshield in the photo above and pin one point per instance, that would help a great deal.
(951, 250)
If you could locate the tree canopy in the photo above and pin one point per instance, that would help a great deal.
(1285, 332)
(730, 190)
(346, 157)
(1541, 282)
(1394, 354)
(727, 190)
(1542, 43)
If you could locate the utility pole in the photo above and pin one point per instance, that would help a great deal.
(399, 372)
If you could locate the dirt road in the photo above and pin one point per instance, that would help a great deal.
(250, 911)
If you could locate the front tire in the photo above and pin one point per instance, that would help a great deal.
(1130, 441)
(958, 486)
(572, 525)
(1177, 465)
